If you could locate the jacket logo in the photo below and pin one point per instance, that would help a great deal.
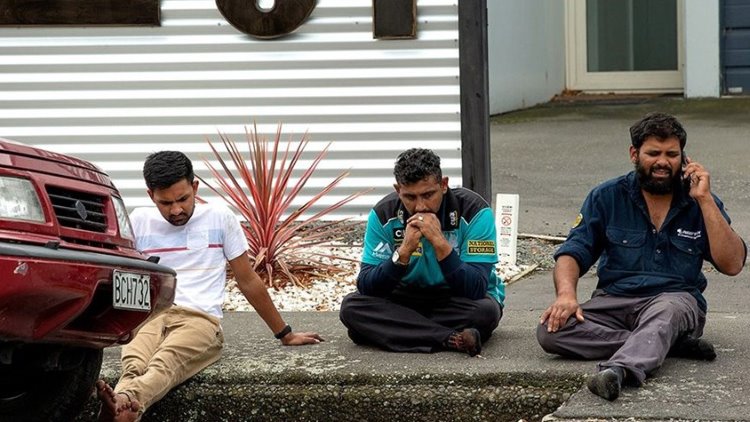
(688, 234)
(398, 235)
(482, 247)
(419, 251)
(382, 251)
(454, 218)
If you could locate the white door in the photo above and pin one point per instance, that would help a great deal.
(624, 45)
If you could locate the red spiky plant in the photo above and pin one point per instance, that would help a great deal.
(280, 238)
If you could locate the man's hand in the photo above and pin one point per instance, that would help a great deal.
(412, 236)
(429, 225)
(728, 251)
(299, 339)
(700, 180)
(558, 313)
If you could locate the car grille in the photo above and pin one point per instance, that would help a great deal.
(78, 210)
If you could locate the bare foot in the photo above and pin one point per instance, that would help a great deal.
(115, 407)
(130, 412)
(106, 395)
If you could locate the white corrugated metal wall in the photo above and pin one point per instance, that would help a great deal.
(112, 95)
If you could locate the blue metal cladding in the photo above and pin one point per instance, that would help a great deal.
(736, 46)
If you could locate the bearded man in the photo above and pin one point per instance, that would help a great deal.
(650, 229)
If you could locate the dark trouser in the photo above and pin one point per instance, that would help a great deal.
(635, 333)
(409, 323)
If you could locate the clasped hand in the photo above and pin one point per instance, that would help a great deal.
(422, 224)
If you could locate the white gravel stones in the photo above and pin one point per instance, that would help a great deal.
(326, 294)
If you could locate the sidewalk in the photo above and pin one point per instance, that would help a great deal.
(259, 380)
(681, 389)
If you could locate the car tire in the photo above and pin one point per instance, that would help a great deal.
(33, 392)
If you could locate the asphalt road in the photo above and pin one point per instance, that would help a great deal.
(554, 154)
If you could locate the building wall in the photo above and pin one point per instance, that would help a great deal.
(526, 52)
(702, 47)
(112, 95)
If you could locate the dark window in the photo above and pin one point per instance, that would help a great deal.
(79, 12)
(394, 19)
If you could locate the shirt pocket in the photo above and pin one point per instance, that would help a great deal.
(688, 254)
(197, 239)
(625, 248)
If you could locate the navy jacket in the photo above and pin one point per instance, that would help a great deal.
(634, 258)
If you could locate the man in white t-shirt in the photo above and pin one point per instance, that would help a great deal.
(197, 240)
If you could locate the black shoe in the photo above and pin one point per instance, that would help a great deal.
(606, 383)
(693, 348)
(467, 340)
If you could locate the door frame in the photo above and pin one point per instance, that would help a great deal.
(578, 78)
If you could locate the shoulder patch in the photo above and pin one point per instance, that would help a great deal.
(481, 247)
(578, 220)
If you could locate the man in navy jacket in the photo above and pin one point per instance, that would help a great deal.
(651, 230)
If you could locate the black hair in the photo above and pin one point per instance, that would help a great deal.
(165, 168)
(660, 125)
(416, 164)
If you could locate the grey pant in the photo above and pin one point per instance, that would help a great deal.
(635, 333)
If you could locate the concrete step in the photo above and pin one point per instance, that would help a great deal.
(257, 379)
(450, 397)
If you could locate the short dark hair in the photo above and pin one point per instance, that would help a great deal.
(416, 164)
(660, 125)
(165, 168)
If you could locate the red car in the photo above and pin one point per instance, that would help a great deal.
(71, 281)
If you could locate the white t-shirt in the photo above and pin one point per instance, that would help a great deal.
(197, 251)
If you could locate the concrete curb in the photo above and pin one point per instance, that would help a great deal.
(336, 380)
(257, 379)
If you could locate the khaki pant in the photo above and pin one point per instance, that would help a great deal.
(168, 350)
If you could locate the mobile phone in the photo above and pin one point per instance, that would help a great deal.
(685, 178)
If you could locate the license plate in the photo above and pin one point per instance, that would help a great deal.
(131, 291)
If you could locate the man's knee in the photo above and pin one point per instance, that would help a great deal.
(346, 311)
(674, 308)
(553, 342)
(354, 306)
(487, 314)
(547, 340)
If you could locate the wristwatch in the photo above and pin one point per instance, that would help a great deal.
(395, 258)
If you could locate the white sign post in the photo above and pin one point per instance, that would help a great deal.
(506, 224)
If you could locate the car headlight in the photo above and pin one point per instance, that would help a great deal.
(18, 200)
(122, 218)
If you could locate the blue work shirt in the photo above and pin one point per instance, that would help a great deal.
(636, 259)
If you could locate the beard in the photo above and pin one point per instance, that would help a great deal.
(180, 219)
(656, 186)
